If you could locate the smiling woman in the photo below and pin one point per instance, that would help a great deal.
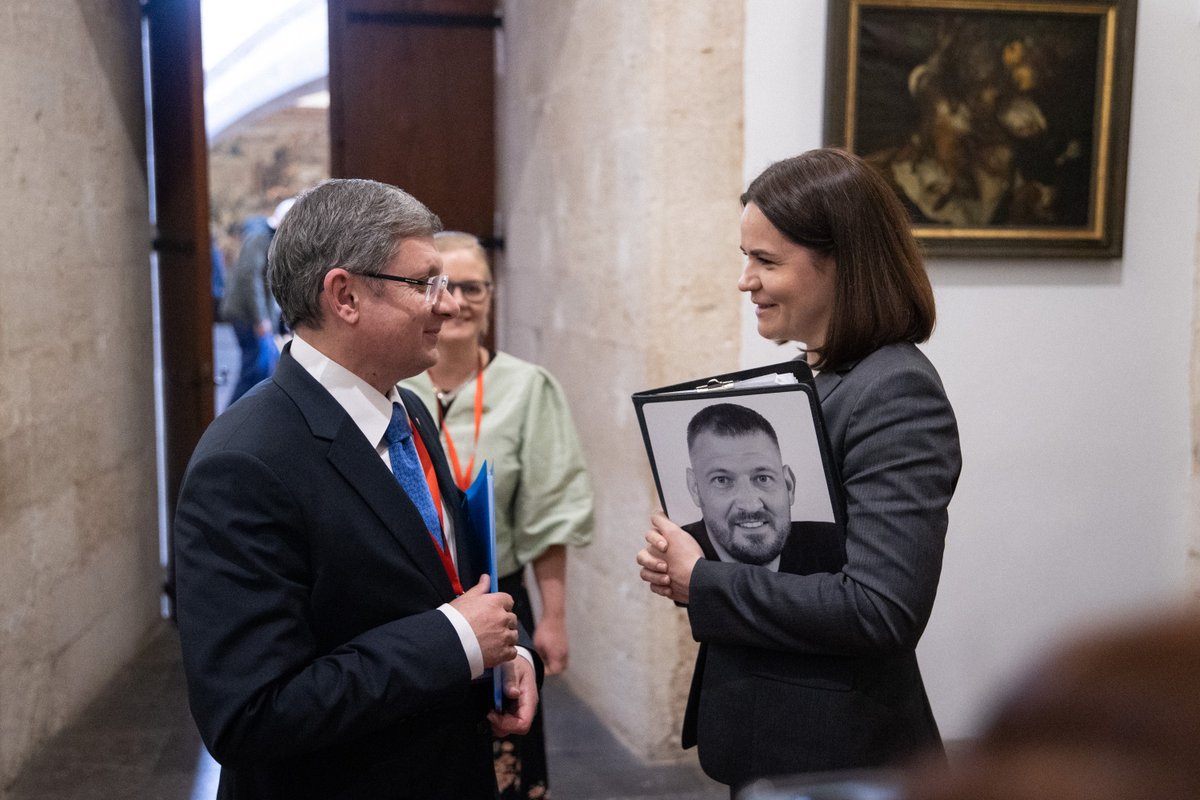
(816, 670)
(849, 271)
(790, 285)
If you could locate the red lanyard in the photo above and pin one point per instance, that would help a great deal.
(463, 479)
(436, 493)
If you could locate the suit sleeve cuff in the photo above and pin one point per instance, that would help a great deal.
(466, 636)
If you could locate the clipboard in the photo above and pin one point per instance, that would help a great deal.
(799, 370)
(480, 543)
(784, 396)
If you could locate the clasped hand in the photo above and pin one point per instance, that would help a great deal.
(520, 686)
(668, 558)
(490, 617)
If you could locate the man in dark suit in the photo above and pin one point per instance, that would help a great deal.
(745, 493)
(329, 650)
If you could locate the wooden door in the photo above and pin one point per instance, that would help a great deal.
(412, 102)
(182, 244)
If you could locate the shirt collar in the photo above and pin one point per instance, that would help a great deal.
(370, 410)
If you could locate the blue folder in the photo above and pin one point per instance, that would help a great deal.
(480, 543)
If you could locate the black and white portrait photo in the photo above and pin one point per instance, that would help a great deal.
(744, 475)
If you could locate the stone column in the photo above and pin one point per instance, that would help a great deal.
(79, 573)
(621, 154)
(1194, 548)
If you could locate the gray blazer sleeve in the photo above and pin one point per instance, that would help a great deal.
(895, 440)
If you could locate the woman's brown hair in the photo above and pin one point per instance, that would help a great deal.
(837, 205)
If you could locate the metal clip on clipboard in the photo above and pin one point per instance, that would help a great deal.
(756, 382)
(714, 383)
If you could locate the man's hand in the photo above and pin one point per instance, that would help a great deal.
(668, 558)
(490, 617)
(522, 687)
(550, 639)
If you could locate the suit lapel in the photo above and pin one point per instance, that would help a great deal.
(359, 463)
(362, 467)
(826, 382)
(829, 379)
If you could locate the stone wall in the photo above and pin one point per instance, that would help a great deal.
(79, 569)
(621, 159)
(1194, 548)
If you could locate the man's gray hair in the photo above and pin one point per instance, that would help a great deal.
(351, 223)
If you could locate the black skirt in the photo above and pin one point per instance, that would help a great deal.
(521, 760)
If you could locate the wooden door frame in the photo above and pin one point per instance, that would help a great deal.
(182, 241)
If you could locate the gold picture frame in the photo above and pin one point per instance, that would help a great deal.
(1003, 125)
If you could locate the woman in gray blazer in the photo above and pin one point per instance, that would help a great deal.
(816, 672)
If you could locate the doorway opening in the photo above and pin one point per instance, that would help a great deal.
(266, 99)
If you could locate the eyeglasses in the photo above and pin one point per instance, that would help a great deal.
(433, 286)
(471, 290)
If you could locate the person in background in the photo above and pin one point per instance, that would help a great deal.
(248, 304)
(218, 279)
(495, 408)
(1111, 713)
(818, 672)
(331, 648)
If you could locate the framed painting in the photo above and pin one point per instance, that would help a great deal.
(1003, 125)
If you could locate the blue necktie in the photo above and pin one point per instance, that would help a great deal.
(407, 468)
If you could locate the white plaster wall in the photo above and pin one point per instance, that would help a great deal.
(1070, 379)
(79, 567)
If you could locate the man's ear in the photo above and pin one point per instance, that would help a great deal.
(693, 489)
(339, 295)
(789, 480)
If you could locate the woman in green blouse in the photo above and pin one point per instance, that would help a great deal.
(496, 408)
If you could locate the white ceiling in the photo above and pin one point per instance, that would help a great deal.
(258, 54)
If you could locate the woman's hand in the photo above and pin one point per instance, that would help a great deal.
(668, 558)
(550, 639)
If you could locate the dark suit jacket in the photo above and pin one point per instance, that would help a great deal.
(817, 672)
(317, 663)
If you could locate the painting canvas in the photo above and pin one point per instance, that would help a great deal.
(1002, 126)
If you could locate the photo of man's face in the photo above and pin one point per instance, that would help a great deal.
(744, 492)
